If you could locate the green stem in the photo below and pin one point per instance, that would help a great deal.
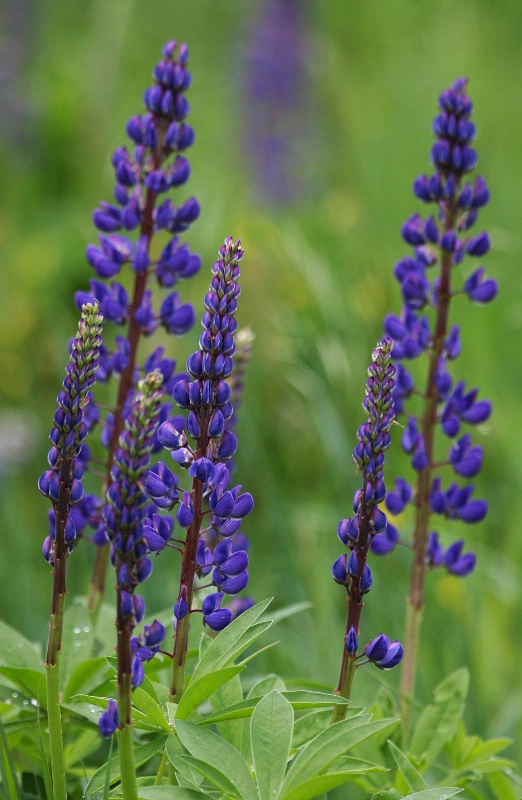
(54, 719)
(126, 751)
(411, 646)
(161, 769)
(125, 731)
(345, 686)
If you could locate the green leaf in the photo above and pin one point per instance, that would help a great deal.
(107, 784)
(198, 690)
(501, 787)
(267, 684)
(355, 766)
(78, 633)
(438, 722)
(299, 700)
(314, 787)
(413, 778)
(104, 633)
(142, 754)
(310, 725)
(86, 677)
(16, 651)
(229, 642)
(7, 770)
(287, 611)
(225, 696)
(30, 681)
(209, 747)
(81, 746)
(442, 793)
(145, 703)
(336, 740)
(169, 793)
(271, 736)
(213, 775)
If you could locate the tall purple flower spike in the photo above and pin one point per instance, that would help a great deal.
(429, 279)
(126, 523)
(202, 443)
(128, 264)
(433, 278)
(369, 522)
(61, 483)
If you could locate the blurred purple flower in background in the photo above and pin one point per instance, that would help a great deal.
(277, 103)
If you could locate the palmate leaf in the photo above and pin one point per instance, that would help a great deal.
(271, 737)
(16, 651)
(299, 699)
(147, 705)
(30, 681)
(200, 689)
(413, 778)
(78, 633)
(170, 793)
(213, 775)
(86, 677)
(208, 747)
(142, 754)
(229, 694)
(7, 770)
(438, 722)
(231, 641)
(441, 793)
(316, 787)
(329, 745)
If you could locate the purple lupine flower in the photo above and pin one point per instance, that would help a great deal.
(432, 279)
(205, 395)
(440, 244)
(383, 653)
(453, 559)
(126, 511)
(146, 172)
(369, 523)
(109, 720)
(277, 98)
(61, 483)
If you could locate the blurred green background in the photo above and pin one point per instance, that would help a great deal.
(319, 209)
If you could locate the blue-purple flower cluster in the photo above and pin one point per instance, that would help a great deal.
(369, 521)
(61, 483)
(205, 394)
(127, 516)
(140, 213)
(427, 279)
(126, 512)
(143, 177)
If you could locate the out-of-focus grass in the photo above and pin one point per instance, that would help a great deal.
(317, 280)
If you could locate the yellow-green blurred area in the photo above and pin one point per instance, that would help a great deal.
(317, 279)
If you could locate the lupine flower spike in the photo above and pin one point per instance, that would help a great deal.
(215, 549)
(140, 212)
(62, 484)
(125, 515)
(369, 521)
(429, 280)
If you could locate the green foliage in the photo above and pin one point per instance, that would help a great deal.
(313, 267)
